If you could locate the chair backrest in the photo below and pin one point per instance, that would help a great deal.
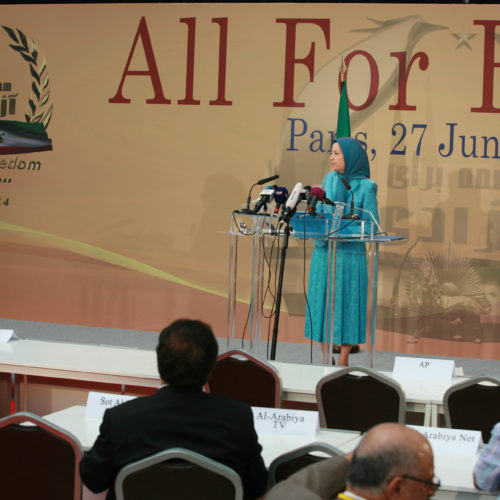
(351, 401)
(286, 464)
(243, 377)
(177, 473)
(38, 459)
(473, 405)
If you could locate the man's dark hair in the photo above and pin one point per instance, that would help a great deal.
(186, 353)
(371, 471)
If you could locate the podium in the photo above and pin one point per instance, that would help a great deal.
(346, 224)
(252, 229)
(351, 225)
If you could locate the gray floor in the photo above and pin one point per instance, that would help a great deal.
(285, 351)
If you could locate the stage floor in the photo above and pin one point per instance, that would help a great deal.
(285, 351)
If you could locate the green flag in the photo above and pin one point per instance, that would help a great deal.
(343, 123)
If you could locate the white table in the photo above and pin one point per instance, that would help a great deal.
(80, 362)
(136, 367)
(96, 363)
(85, 429)
(299, 384)
(73, 420)
(455, 472)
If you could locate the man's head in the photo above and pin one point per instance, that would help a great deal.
(186, 353)
(392, 461)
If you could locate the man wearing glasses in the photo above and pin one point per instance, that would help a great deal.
(391, 462)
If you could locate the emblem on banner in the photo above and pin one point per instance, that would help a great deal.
(29, 135)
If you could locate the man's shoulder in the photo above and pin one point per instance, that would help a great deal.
(322, 479)
(173, 395)
(229, 403)
(132, 405)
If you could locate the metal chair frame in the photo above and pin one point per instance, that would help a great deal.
(262, 364)
(464, 385)
(303, 451)
(183, 454)
(401, 417)
(53, 430)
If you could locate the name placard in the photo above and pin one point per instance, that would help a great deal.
(281, 421)
(422, 368)
(7, 336)
(99, 402)
(449, 441)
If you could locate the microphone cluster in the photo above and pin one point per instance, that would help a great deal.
(286, 203)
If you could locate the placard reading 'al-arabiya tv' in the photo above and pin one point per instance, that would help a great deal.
(282, 421)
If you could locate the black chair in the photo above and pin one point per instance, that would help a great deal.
(243, 377)
(286, 464)
(358, 401)
(38, 459)
(473, 405)
(177, 473)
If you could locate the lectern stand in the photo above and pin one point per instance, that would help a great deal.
(349, 225)
(251, 229)
(248, 234)
(372, 251)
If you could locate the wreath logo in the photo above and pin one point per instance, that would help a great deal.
(29, 136)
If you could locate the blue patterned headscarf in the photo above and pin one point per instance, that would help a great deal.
(356, 167)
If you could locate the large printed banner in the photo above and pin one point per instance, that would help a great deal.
(128, 134)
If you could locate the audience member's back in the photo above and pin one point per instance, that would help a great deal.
(180, 414)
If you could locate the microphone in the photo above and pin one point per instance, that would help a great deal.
(280, 197)
(267, 179)
(352, 215)
(265, 197)
(316, 194)
(246, 209)
(292, 202)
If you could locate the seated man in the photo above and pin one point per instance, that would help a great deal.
(487, 470)
(180, 414)
(391, 462)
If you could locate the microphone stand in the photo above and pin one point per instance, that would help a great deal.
(279, 292)
(352, 215)
(247, 209)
